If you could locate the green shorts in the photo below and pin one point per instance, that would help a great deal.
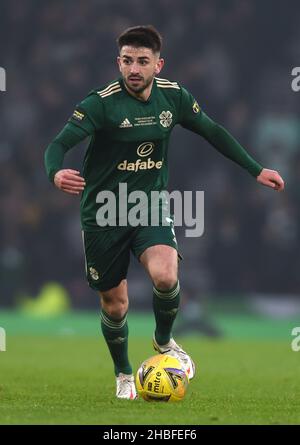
(107, 252)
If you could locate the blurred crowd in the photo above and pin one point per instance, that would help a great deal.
(235, 57)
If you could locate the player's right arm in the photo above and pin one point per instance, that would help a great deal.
(85, 121)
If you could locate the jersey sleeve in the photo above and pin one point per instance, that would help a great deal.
(87, 118)
(190, 113)
(88, 114)
(194, 119)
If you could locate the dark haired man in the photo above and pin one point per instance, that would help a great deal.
(130, 121)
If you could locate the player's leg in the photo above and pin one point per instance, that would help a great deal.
(114, 304)
(107, 259)
(161, 263)
(156, 248)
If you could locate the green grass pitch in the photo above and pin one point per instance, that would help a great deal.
(69, 381)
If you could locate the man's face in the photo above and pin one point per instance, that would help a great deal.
(138, 67)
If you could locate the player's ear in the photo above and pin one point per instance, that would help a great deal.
(119, 62)
(159, 66)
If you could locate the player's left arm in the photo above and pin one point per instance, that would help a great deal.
(194, 119)
(271, 178)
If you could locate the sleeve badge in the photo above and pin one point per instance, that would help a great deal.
(196, 107)
(78, 115)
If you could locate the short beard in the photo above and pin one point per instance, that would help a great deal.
(139, 89)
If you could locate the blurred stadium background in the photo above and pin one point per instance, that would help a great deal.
(242, 276)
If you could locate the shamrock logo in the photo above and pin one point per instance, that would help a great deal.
(165, 118)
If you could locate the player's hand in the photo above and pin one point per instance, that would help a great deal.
(271, 178)
(69, 181)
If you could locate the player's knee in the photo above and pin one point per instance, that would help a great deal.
(118, 312)
(115, 302)
(165, 281)
(116, 309)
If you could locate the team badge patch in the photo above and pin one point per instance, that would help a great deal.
(94, 274)
(165, 118)
(78, 115)
(196, 107)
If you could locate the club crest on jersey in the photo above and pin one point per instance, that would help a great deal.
(94, 274)
(165, 118)
(196, 107)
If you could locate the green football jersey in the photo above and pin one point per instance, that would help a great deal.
(129, 141)
(129, 145)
